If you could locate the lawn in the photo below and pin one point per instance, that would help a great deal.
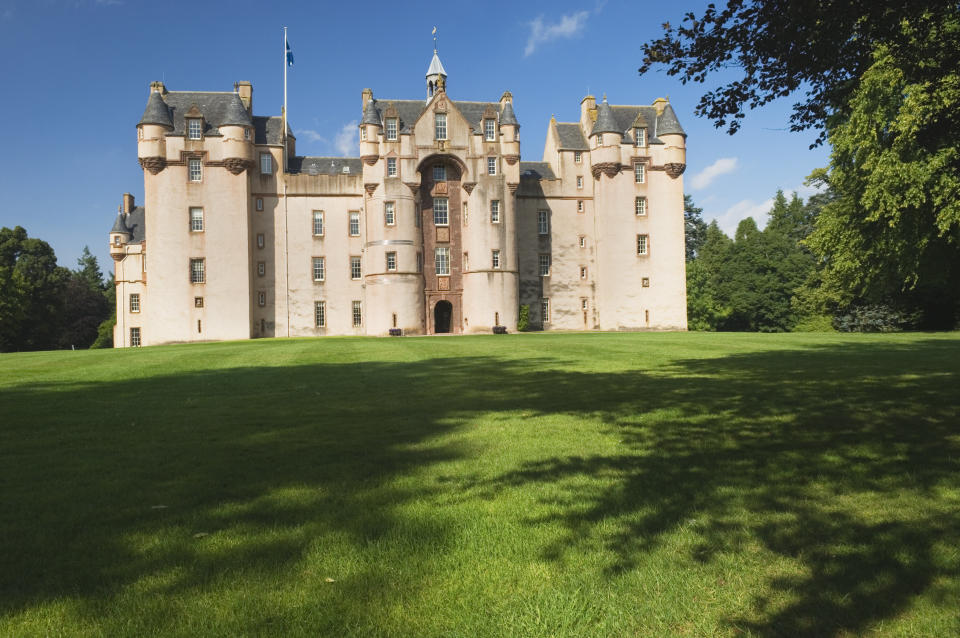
(526, 485)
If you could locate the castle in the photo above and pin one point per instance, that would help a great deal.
(437, 226)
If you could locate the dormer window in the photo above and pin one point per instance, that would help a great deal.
(440, 126)
(640, 136)
(391, 128)
(195, 129)
(489, 130)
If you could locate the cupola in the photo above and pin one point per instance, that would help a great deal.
(436, 76)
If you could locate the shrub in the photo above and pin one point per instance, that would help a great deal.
(874, 318)
(105, 334)
(523, 322)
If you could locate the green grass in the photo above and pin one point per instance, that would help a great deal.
(527, 485)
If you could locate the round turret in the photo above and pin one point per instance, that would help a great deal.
(152, 130)
(236, 129)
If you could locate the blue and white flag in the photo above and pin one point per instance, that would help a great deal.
(289, 55)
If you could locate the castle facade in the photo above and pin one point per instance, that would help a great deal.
(436, 227)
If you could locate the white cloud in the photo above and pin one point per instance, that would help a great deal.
(313, 136)
(569, 26)
(722, 166)
(731, 218)
(346, 140)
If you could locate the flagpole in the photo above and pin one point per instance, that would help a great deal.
(285, 98)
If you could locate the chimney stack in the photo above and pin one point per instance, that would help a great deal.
(127, 203)
(245, 90)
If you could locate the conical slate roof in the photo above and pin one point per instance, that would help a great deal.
(120, 226)
(605, 121)
(668, 124)
(236, 113)
(156, 111)
(370, 114)
(507, 116)
(436, 67)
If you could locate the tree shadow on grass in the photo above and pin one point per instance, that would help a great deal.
(759, 447)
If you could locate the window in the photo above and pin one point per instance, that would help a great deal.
(116, 240)
(583, 304)
(545, 310)
(391, 261)
(134, 302)
(579, 205)
(640, 136)
(266, 164)
(419, 262)
(391, 167)
(642, 244)
(440, 126)
(261, 268)
(640, 206)
(439, 173)
(577, 157)
(639, 173)
(496, 260)
(194, 129)
(320, 313)
(440, 213)
(195, 169)
(579, 182)
(355, 270)
(391, 128)
(466, 217)
(363, 133)
(261, 241)
(466, 262)
(490, 130)
(389, 218)
(318, 223)
(583, 272)
(491, 166)
(583, 241)
(495, 211)
(357, 314)
(600, 140)
(543, 222)
(198, 302)
(196, 220)
(442, 260)
(246, 134)
(319, 269)
(197, 271)
(544, 263)
(354, 223)
(259, 203)
(261, 298)
(135, 337)
(645, 282)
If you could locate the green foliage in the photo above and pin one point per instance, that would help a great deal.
(874, 318)
(104, 334)
(814, 323)
(694, 226)
(567, 486)
(892, 236)
(523, 321)
(31, 292)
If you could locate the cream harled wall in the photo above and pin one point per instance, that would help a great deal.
(258, 242)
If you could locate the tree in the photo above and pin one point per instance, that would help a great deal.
(31, 289)
(694, 226)
(85, 304)
(780, 46)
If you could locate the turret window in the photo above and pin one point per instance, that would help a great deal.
(489, 130)
(389, 217)
(363, 133)
(440, 126)
(391, 128)
(639, 173)
(195, 129)
(579, 181)
(495, 211)
(496, 260)
(391, 261)
(266, 164)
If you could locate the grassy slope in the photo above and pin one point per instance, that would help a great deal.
(529, 485)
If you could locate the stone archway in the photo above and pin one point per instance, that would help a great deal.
(442, 316)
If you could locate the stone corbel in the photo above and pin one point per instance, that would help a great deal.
(469, 186)
(511, 159)
(237, 165)
(675, 169)
(610, 169)
(370, 188)
(369, 160)
(513, 186)
(413, 186)
(153, 164)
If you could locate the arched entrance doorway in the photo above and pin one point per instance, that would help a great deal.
(441, 316)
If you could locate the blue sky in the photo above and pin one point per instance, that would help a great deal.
(74, 76)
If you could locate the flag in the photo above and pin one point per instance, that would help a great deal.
(289, 55)
(434, 31)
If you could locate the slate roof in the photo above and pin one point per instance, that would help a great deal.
(156, 111)
(213, 105)
(436, 67)
(507, 116)
(236, 113)
(605, 123)
(370, 115)
(325, 165)
(571, 137)
(668, 124)
(266, 130)
(536, 170)
(133, 223)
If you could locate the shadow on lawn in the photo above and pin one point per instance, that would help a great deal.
(780, 435)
